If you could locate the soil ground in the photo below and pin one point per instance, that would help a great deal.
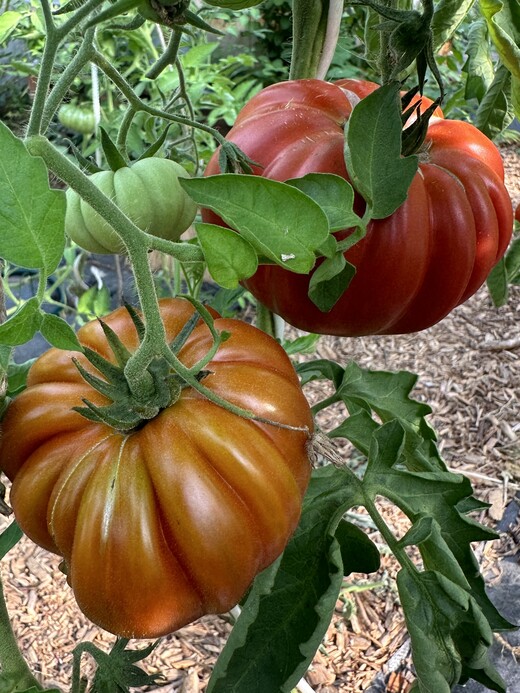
(469, 373)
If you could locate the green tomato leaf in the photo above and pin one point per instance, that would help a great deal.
(495, 112)
(512, 261)
(479, 65)
(8, 22)
(17, 376)
(94, 302)
(503, 18)
(112, 154)
(23, 325)
(329, 281)
(292, 600)
(449, 616)
(32, 216)
(334, 195)
(230, 258)
(279, 221)
(460, 613)
(9, 538)
(373, 151)
(306, 344)
(448, 16)
(497, 283)
(59, 333)
(446, 624)
(117, 671)
(358, 553)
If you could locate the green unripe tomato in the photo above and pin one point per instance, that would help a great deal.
(77, 118)
(148, 192)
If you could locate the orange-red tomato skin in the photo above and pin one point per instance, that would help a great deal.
(173, 520)
(413, 267)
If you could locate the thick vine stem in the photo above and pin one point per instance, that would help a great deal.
(310, 20)
(169, 56)
(332, 30)
(269, 322)
(132, 236)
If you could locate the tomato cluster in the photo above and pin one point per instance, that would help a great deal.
(174, 519)
(416, 265)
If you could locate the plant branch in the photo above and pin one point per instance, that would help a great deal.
(190, 379)
(169, 56)
(401, 555)
(331, 37)
(50, 48)
(78, 62)
(310, 20)
(139, 105)
(154, 341)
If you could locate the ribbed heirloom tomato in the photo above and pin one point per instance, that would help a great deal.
(148, 192)
(174, 519)
(413, 267)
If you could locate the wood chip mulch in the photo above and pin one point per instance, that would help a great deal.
(469, 368)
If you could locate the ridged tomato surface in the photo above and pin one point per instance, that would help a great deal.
(173, 520)
(413, 267)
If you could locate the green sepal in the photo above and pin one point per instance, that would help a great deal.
(105, 367)
(194, 20)
(137, 320)
(232, 159)
(118, 417)
(115, 10)
(155, 146)
(415, 134)
(105, 388)
(118, 348)
(179, 341)
(87, 165)
(112, 154)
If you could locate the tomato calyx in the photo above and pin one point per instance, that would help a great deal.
(414, 134)
(127, 411)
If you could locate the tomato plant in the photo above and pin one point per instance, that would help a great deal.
(148, 192)
(413, 267)
(164, 453)
(184, 510)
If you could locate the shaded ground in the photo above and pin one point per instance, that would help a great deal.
(469, 368)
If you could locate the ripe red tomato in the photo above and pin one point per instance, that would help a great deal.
(413, 267)
(174, 519)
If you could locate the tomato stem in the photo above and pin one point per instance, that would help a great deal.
(15, 674)
(139, 105)
(404, 560)
(309, 32)
(190, 379)
(168, 57)
(62, 85)
(269, 322)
